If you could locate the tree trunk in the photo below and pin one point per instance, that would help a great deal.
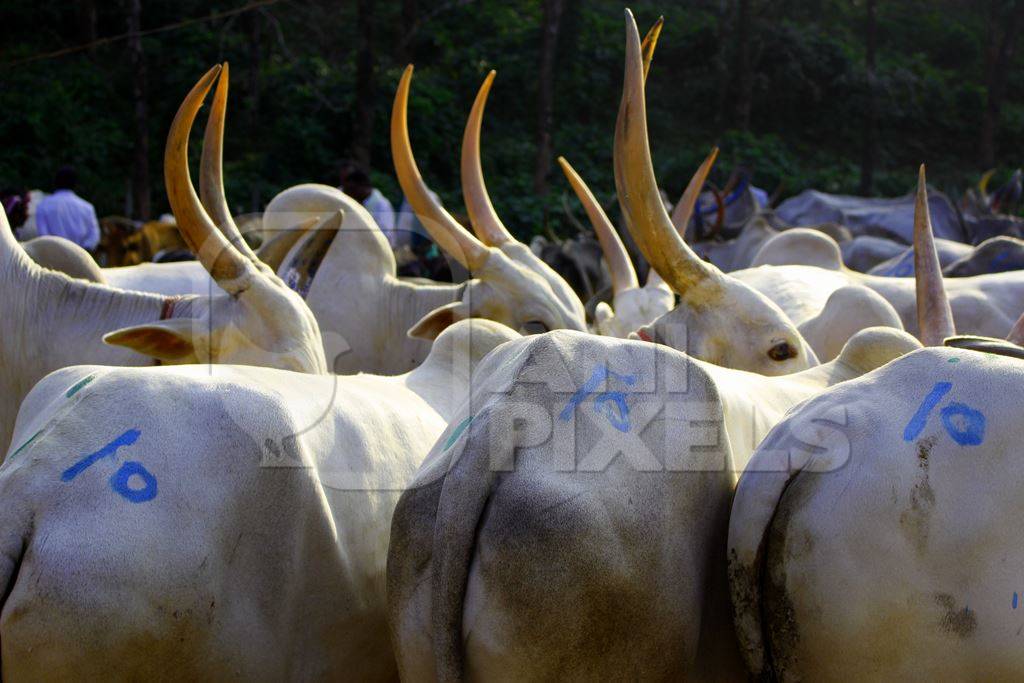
(744, 72)
(362, 128)
(867, 164)
(140, 155)
(545, 92)
(255, 57)
(997, 62)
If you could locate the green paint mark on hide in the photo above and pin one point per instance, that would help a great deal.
(79, 385)
(27, 443)
(458, 432)
(953, 360)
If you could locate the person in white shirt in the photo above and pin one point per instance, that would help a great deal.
(356, 184)
(65, 214)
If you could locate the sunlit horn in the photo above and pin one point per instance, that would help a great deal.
(224, 263)
(445, 230)
(482, 216)
(637, 188)
(934, 316)
(623, 275)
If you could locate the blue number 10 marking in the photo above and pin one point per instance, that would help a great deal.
(612, 404)
(119, 480)
(964, 424)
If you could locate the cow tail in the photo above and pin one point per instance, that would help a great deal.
(757, 498)
(464, 496)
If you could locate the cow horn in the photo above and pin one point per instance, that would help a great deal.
(445, 230)
(623, 275)
(637, 188)
(211, 170)
(651, 42)
(224, 263)
(482, 216)
(683, 209)
(934, 317)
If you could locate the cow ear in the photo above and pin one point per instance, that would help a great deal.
(438, 320)
(167, 340)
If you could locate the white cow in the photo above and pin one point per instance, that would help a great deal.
(906, 452)
(882, 546)
(241, 533)
(54, 321)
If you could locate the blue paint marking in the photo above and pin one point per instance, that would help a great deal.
(119, 481)
(126, 439)
(607, 403)
(1015, 600)
(916, 424)
(611, 404)
(965, 424)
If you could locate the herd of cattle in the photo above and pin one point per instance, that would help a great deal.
(760, 462)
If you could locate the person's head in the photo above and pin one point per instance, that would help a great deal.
(65, 179)
(355, 182)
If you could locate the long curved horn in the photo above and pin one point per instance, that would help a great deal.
(647, 47)
(224, 263)
(637, 189)
(651, 42)
(623, 275)
(445, 230)
(683, 209)
(211, 170)
(482, 216)
(934, 316)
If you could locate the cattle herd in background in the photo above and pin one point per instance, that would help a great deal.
(788, 450)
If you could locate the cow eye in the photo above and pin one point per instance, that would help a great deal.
(534, 327)
(782, 351)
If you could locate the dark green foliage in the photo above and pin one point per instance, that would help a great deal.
(807, 101)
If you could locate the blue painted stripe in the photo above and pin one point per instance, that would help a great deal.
(916, 424)
(126, 439)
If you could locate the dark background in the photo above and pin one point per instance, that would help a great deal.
(840, 95)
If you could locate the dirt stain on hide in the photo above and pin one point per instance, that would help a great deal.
(916, 520)
(786, 544)
(959, 622)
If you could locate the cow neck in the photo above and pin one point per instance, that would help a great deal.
(53, 321)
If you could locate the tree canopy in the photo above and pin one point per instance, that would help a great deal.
(783, 87)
